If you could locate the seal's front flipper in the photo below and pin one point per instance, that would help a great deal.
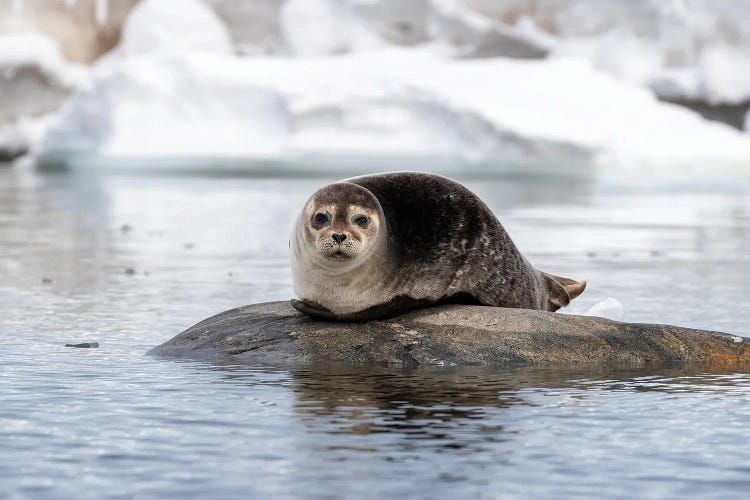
(314, 310)
(560, 291)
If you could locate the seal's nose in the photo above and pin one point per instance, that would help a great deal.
(338, 237)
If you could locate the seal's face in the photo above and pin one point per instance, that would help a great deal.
(342, 222)
(341, 231)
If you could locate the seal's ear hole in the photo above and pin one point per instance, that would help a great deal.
(560, 291)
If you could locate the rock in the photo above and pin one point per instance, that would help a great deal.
(84, 345)
(275, 334)
(732, 114)
(12, 149)
(13, 144)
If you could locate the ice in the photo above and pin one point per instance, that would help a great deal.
(321, 27)
(609, 308)
(35, 49)
(34, 82)
(468, 33)
(682, 48)
(173, 25)
(152, 106)
(393, 103)
(175, 86)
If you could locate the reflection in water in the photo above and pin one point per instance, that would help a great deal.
(521, 432)
(78, 423)
(456, 408)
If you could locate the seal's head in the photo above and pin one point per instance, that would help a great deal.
(342, 222)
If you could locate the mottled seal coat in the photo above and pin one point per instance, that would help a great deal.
(376, 246)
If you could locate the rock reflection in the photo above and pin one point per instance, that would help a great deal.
(455, 409)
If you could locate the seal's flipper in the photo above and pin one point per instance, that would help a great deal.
(560, 291)
(314, 310)
(397, 305)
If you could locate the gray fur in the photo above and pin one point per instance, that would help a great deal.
(443, 244)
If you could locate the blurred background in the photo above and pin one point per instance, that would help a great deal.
(467, 85)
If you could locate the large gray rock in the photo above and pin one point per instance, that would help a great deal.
(275, 334)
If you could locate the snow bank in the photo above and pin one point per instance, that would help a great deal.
(697, 49)
(162, 105)
(174, 88)
(396, 103)
(34, 82)
(146, 99)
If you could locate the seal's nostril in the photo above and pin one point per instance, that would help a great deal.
(338, 238)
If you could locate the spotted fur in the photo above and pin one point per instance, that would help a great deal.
(437, 242)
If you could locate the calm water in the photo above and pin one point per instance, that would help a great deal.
(130, 261)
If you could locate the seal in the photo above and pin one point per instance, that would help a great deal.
(376, 246)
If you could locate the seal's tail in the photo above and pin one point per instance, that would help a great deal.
(560, 291)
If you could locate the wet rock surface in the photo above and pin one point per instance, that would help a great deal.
(276, 334)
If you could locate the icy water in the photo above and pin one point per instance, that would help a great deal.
(129, 261)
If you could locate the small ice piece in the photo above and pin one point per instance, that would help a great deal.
(609, 308)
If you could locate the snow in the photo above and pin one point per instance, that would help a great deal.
(322, 27)
(393, 103)
(28, 48)
(34, 81)
(162, 105)
(173, 25)
(696, 49)
(609, 308)
(174, 86)
(467, 33)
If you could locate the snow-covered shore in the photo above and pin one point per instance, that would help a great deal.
(179, 90)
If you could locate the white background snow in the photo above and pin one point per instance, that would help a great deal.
(462, 84)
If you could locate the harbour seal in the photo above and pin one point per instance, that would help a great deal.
(376, 246)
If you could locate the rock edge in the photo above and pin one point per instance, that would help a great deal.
(274, 333)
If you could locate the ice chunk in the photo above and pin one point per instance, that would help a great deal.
(610, 308)
(156, 105)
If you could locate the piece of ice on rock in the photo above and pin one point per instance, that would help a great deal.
(609, 308)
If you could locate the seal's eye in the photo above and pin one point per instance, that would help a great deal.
(360, 220)
(320, 219)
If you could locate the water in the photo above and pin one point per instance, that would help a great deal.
(129, 261)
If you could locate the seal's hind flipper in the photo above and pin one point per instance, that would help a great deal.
(560, 291)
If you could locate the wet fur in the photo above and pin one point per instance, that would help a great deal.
(443, 245)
